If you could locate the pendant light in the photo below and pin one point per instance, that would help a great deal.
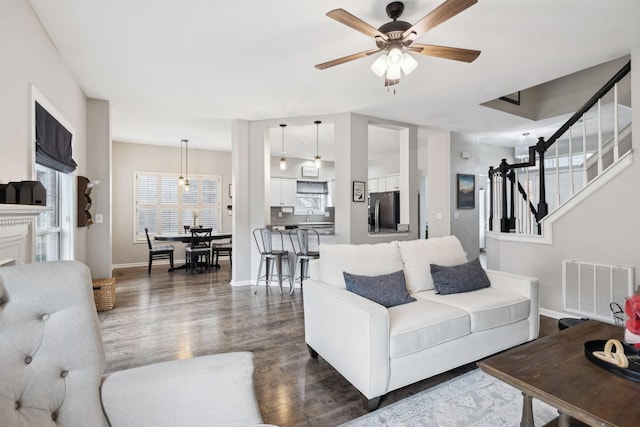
(181, 178)
(186, 169)
(317, 159)
(521, 151)
(283, 160)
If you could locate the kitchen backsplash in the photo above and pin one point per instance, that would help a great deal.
(291, 219)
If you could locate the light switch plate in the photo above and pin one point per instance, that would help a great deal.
(99, 218)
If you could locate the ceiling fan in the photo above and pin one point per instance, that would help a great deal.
(396, 39)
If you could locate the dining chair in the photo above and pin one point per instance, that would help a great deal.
(159, 252)
(300, 243)
(221, 247)
(200, 247)
(270, 257)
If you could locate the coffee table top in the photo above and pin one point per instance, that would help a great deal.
(555, 370)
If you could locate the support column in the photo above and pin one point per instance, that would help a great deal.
(99, 159)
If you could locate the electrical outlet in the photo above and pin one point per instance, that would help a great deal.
(326, 214)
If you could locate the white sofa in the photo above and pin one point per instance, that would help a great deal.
(381, 349)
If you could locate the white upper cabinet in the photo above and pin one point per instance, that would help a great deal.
(283, 192)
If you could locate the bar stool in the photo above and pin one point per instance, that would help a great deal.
(300, 246)
(270, 256)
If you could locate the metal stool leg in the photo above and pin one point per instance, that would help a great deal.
(295, 272)
(259, 273)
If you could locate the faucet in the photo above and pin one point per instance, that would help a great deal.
(307, 219)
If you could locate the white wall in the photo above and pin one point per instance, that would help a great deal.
(465, 222)
(439, 184)
(602, 229)
(128, 158)
(294, 169)
(29, 58)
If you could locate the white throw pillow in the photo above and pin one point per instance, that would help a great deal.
(364, 260)
(418, 255)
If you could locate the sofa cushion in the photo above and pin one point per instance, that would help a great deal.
(417, 255)
(423, 324)
(386, 289)
(365, 260)
(488, 308)
(459, 278)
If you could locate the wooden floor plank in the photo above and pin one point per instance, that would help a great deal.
(168, 316)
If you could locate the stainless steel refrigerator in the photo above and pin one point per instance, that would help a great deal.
(384, 210)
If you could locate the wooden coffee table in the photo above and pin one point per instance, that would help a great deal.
(555, 370)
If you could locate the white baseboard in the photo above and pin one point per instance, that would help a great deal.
(557, 314)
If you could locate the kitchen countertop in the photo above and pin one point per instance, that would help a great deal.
(322, 228)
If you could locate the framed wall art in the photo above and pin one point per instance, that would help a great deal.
(358, 191)
(466, 191)
(309, 171)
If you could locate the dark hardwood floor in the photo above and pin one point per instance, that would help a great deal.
(168, 316)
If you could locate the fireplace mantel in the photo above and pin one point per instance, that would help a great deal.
(17, 233)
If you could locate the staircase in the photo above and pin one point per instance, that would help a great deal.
(586, 152)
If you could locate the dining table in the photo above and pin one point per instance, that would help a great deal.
(186, 238)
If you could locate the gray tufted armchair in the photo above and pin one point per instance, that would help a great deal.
(52, 363)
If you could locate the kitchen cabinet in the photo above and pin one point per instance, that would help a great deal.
(384, 183)
(372, 186)
(391, 183)
(283, 192)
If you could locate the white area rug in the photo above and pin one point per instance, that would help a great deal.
(473, 399)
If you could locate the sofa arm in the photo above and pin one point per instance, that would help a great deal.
(351, 333)
(523, 285)
(202, 391)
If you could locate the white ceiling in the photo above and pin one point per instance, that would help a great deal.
(175, 69)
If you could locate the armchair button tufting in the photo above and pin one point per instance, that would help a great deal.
(18, 404)
(1, 301)
(64, 374)
(27, 360)
(46, 316)
(54, 415)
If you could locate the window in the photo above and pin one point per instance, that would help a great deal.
(164, 207)
(48, 222)
(311, 197)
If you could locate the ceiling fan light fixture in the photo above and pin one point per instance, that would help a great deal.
(408, 63)
(379, 66)
(395, 57)
(393, 72)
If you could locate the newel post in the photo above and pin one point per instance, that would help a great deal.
(504, 221)
(543, 207)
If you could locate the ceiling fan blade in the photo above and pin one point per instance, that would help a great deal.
(346, 59)
(356, 23)
(437, 16)
(455, 53)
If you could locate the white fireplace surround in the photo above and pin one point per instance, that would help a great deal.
(17, 233)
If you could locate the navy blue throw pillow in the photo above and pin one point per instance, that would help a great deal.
(459, 278)
(387, 289)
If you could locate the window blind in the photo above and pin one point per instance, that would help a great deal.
(312, 187)
(53, 143)
(163, 207)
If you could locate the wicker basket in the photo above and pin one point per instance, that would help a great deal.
(104, 293)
